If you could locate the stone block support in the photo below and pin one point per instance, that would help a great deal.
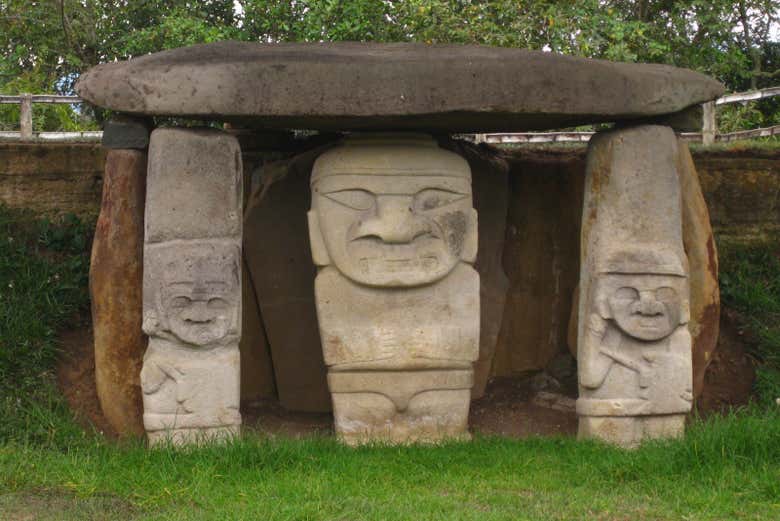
(115, 276)
(394, 235)
(634, 347)
(702, 256)
(192, 286)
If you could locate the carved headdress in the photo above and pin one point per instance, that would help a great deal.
(633, 206)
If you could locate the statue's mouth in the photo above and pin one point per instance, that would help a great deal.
(373, 255)
(400, 265)
(650, 322)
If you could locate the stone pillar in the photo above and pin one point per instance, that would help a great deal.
(634, 348)
(115, 277)
(192, 286)
(394, 235)
(702, 256)
(491, 196)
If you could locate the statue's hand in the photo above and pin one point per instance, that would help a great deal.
(597, 325)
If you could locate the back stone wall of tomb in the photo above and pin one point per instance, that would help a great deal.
(539, 254)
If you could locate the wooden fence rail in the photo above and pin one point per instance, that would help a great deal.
(25, 102)
(708, 135)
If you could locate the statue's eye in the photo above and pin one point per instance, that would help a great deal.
(627, 294)
(217, 304)
(355, 199)
(432, 198)
(180, 302)
(665, 294)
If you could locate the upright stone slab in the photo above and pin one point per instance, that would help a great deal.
(394, 235)
(278, 257)
(490, 185)
(192, 286)
(115, 275)
(702, 256)
(634, 348)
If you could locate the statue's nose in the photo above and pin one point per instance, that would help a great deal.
(648, 305)
(197, 312)
(394, 221)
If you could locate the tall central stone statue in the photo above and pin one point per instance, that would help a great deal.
(394, 234)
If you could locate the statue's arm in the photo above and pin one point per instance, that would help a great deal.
(154, 375)
(593, 363)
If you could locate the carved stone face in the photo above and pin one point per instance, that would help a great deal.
(198, 298)
(395, 228)
(644, 306)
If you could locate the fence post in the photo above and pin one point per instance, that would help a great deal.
(709, 125)
(25, 117)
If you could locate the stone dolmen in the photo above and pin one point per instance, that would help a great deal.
(390, 297)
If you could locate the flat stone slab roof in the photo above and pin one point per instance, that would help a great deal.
(352, 86)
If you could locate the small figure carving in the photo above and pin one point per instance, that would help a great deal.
(190, 375)
(635, 356)
(197, 299)
(393, 231)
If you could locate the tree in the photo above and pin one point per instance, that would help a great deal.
(48, 43)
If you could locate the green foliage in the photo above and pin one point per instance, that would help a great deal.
(750, 283)
(53, 41)
(44, 269)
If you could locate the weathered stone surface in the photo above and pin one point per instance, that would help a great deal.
(393, 232)
(124, 132)
(192, 287)
(191, 371)
(634, 347)
(739, 187)
(400, 85)
(688, 120)
(257, 371)
(490, 185)
(627, 430)
(702, 256)
(52, 179)
(281, 265)
(115, 277)
(703, 261)
(541, 258)
(278, 256)
(401, 406)
(188, 202)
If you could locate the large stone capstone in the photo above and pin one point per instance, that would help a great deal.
(457, 88)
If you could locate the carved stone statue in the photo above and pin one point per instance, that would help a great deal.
(394, 233)
(634, 349)
(188, 377)
(192, 288)
(636, 352)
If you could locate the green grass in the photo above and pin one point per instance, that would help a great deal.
(750, 284)
(43, 288)
(727, 467)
